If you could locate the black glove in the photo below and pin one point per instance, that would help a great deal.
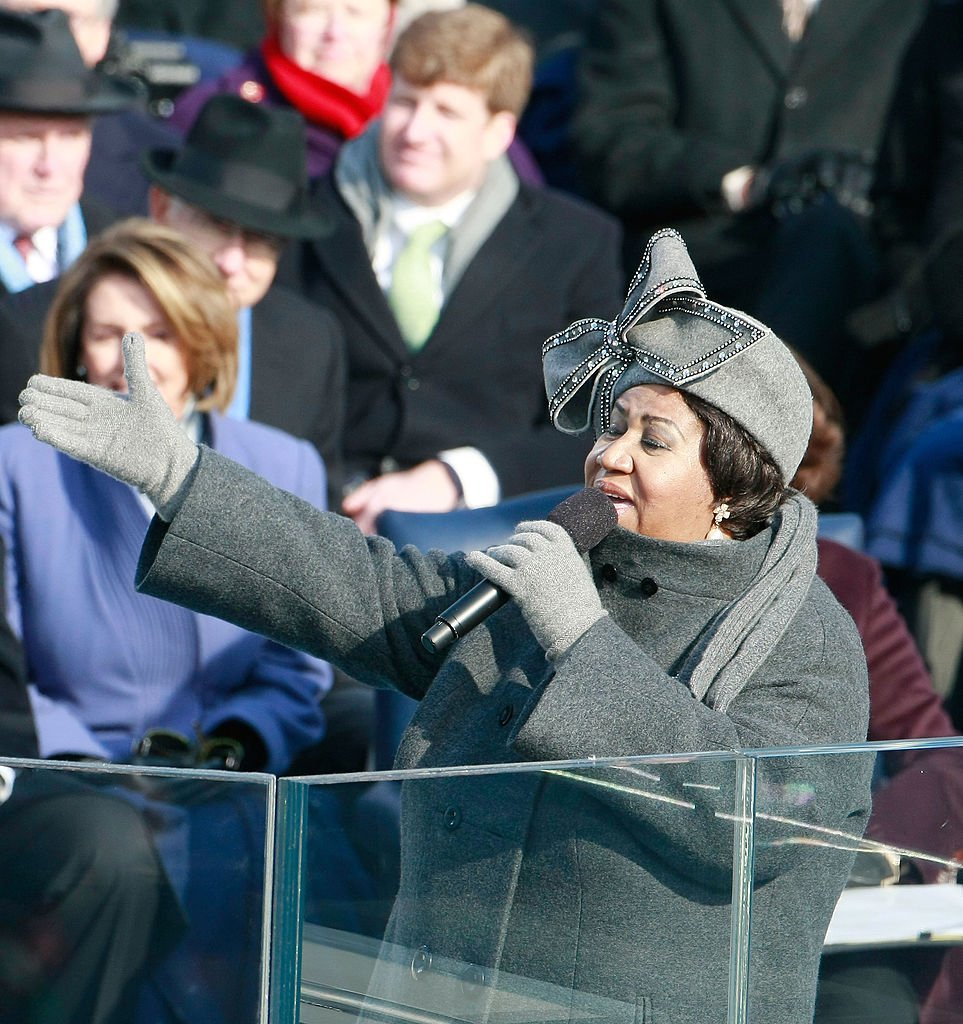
(788, 186)
(236, 746)
(164, 748)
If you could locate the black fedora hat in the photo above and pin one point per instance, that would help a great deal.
(42, 72)
(245, 163)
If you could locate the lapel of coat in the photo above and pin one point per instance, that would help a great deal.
(761, 23)
(831, 30)
(506, 254)
(347, 269)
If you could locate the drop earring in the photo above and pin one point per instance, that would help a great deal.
(81, 371)
(719, 513)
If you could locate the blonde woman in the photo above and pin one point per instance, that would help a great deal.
(106, 664)
(114, 675)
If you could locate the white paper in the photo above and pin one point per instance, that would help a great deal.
(871, 915)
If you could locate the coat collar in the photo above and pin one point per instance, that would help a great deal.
(755, 613)
(718, 570)
(344, 261)
(762, 25)
(831, 28)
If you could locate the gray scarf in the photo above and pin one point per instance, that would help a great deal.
(358, 178)
(742, 635)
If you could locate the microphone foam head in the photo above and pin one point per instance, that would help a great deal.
(588, 516)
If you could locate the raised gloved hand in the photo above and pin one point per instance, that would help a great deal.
(541, 569)
(132, 437)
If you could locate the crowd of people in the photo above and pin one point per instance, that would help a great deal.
(396, 257)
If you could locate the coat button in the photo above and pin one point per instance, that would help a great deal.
(407, 375)
(609, 573)
(648, 586)
(452, 818)
(506, 714)
(421, 961)
(796, 97)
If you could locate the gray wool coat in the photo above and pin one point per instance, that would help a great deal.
(608, 891)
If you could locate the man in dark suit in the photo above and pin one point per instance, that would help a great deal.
(444, 330)
(84, 902)
(751, 126)
(47, 100)
(237, 188)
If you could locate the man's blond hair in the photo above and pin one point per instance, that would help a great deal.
(472, 46)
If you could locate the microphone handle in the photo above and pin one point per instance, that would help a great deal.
(470, 609)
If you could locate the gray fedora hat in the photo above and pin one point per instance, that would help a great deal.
(245, 163)
(42, 72)
(669, 333)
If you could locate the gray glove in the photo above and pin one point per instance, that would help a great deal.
(132, 437)
(540, 568)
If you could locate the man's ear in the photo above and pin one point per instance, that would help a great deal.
(499, 134)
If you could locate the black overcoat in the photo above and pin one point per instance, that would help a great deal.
(478, 379)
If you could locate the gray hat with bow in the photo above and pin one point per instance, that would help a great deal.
(669, 333)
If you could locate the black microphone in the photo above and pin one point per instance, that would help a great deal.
(588, 517)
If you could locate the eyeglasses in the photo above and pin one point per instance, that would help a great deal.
(216, 232)
(169, 749)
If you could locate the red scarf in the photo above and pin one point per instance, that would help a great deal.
(322, 101)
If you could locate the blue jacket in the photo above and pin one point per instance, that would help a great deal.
(106, 663)
(917, 518)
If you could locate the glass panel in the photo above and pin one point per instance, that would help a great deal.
(685, 888)
(595, 891)
(133, 894)
(894, 947)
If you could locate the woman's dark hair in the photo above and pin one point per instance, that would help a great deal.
(822, 465)
(741, 472)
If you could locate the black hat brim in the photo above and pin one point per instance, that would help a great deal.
(301, 222)
(98, 94)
